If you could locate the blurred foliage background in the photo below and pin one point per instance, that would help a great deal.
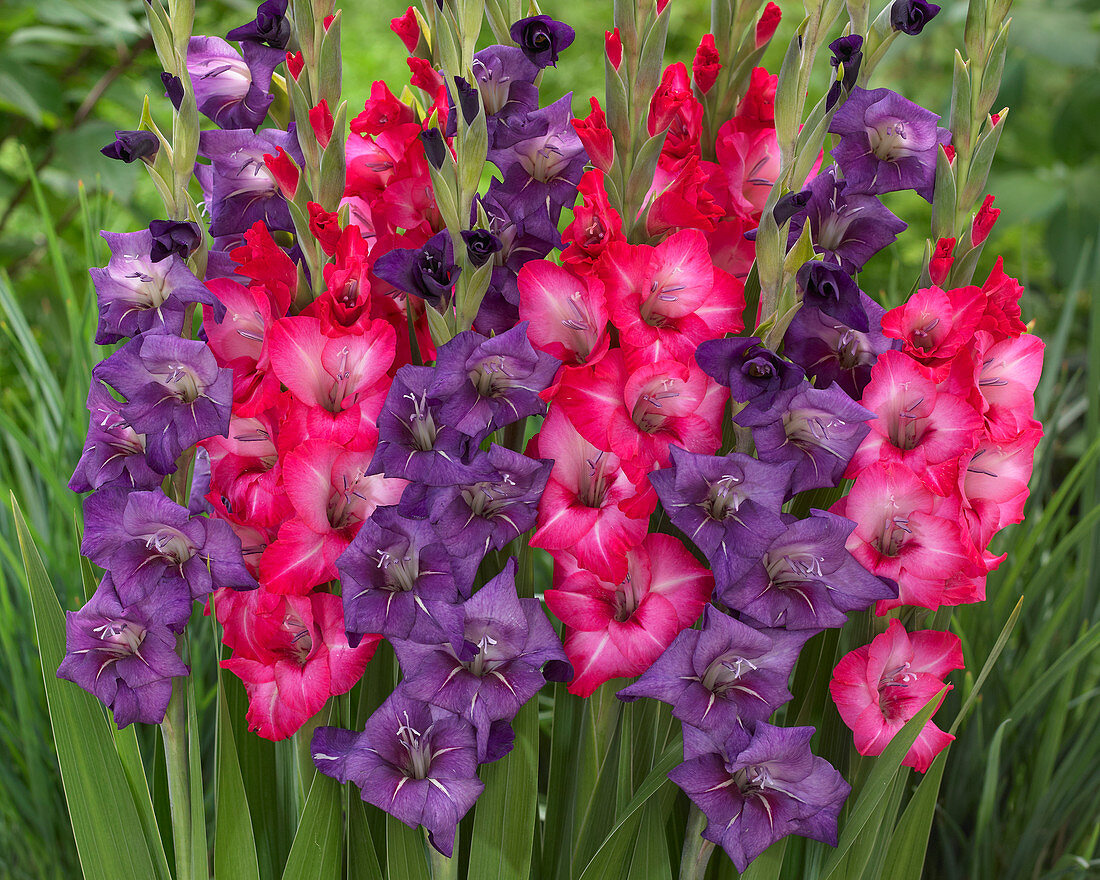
(1022, 796)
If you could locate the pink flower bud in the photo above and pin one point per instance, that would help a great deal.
(613, 44)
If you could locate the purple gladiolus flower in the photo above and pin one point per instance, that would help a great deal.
(517, 652)
(175, 391)
(830, 289)
(723, 675)
(397, 582)
(125, 655)
(831, 351)
(816, 429)
(114, 453)
(728, 505)
(232, 91)
(481, 244)
(523, 236)
(417, 762)
(413, 441)
(486, 383)
(137, 294)
(428, 272)
(807, 580)
(151, 545)
(542, 157)
(180, 237)
(910, 16)
(488, 513)
(755, 789)
(541, 38)
(129, 146)
(887, 143)
(849, 228)
(240, 190)
(506, 80)
(751, 371)
(270, 26)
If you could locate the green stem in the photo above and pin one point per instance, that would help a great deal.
(443, 868)
(303, 756)
(697, 850)
(174, 732)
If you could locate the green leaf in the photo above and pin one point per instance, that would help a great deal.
(316, 853)
(769, 863)
(909, 844)
(234, 843)
(614, 852)
(107, 822)
(362, 855)
(878, 783)
(405, 857)
(504, 822)
(199, 853)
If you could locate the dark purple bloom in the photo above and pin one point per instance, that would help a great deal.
(790, 204)
(758, 788)
(125, 655)
(816, 429)
(910, 16)
(428, 272)
(847, 52)
(887, 143)
(413, 441)
(722, 675)
(137, 294)
(517, 651)
(750, 371)
(542, 157)
(849, 228)
(473, 517)
(129, 146)
(176, 394)
(434, 147)
(728, 505)
(541, 38)
(270, 26)
(241, 190)
(807, 580)
(173, 88)
(417, 762)
(468, 100)
(486, 383)
(152, 545)
(114, 453)
(499, 309)
(234, 92)
(828, 288)
(831, 351)
(181, 237)
(481, 244)
(397, 581)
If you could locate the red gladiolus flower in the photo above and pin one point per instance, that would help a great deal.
(878, 687)
(705, 66)
(767, 24)
(596, 137)
(407, 28)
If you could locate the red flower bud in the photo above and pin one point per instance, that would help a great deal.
(949, 151)
(327, 21)
(613, 45)
(661, 4)
(983, 222)
(596, 137)
(284, 171)
(320, 117)
(325, 225)
(705, 67)
(769, 21)
(942, 258)
(994, 118)
(294, 63)
(407, 28)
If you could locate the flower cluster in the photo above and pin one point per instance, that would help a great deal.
(944, 468)
(159, 555)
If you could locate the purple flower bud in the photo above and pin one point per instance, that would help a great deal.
(428, 272)
(847, 52)
(434, 148)
(541, 38)
(751, 371)
(480, 245)
(173, 89)
(417, 762)
(270, 26)
(125, 655)
(129, 146)
(830, 289)
(180, 237)
(910, 16)
(789, 205)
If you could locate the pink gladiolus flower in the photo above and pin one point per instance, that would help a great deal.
(934, 325)
(567, 315)
(618, 630)
(878, 687)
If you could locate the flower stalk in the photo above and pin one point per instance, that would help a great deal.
(177, 759)
(697, 850)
